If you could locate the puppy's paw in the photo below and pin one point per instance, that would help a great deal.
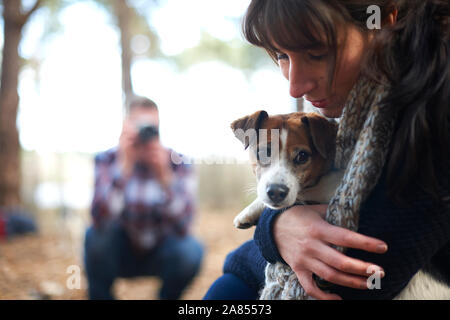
(244, 220)
(242, 225)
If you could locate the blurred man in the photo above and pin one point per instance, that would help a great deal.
(142, 209)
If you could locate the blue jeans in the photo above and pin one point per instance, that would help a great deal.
(108, 255)
(230, 287)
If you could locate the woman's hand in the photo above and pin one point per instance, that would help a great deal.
(303, 239)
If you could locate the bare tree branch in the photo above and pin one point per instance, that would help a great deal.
(25, 16)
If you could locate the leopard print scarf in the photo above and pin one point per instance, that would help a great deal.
(362, 141)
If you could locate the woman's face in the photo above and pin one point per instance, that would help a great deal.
(307, 72)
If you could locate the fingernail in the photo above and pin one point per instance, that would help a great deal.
(382, 248)
(382, 274)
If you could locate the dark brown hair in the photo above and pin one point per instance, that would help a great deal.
(413, 55)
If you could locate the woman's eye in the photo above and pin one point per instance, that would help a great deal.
(282, 56)
(317, 57)
(301, 157)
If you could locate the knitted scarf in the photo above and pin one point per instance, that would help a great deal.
(362, 142)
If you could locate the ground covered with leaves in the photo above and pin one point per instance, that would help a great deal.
(36, 266)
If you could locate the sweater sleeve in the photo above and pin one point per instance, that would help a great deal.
(263, 236)
(247, 263)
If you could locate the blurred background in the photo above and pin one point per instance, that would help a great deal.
(68, 69)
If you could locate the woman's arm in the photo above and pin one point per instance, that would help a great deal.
(413, 235)
(301, 237)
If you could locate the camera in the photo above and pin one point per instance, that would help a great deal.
(147, 133)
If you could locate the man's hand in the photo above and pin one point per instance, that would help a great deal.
(157, 158)
(128, 153)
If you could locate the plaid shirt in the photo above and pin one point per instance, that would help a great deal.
(147, 211)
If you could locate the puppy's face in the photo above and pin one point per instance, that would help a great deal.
(289, 153)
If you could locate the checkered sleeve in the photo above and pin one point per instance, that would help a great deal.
(108, 199)
(180, 204)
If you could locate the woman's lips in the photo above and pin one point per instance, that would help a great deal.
(320, 103)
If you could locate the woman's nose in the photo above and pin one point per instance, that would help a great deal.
(300, 80)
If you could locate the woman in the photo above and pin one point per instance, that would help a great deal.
(400, 73)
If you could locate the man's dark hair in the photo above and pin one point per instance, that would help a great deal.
(142, 102)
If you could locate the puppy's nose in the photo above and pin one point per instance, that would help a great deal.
(277, 192)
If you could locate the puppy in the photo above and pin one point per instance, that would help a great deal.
(292, 157)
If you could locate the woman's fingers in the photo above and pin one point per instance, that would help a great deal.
(311, 289)
(335, 276)
(339, 261)
(303, 239)
(349, 239)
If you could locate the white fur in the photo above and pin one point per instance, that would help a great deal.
(250, 215)
(280, 172)
(320, 193)
(424, 287)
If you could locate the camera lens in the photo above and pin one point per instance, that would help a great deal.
(147, 133)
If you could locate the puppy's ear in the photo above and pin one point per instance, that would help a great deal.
(323, 133)
(253, 121)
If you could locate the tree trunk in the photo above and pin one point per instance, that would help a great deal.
(14, 20)
(9, 100)
(123, 15)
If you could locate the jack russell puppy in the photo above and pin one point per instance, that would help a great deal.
(292, 156)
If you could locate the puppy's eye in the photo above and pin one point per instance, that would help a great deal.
(301, 157)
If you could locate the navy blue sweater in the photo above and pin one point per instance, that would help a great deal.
(418, 237)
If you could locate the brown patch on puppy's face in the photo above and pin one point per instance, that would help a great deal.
(310, 146)
(290, 153)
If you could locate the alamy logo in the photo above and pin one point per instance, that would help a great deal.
(74, 280)
(257, 140)
(374, 281)
(374, 21)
